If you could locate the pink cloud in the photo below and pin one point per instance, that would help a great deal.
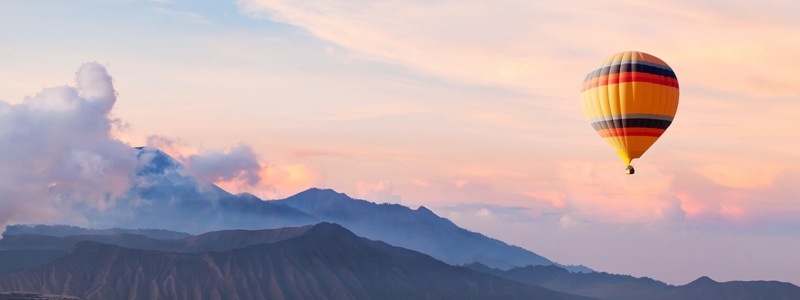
(505, 43)
(239, 169)
(277, 181)
(730, 210)
(740, 176)
(419, 182)
(380, 192)
(556, 198)
(602, 192)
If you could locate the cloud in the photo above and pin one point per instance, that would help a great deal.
(57, 150)
(568, 222)
(485, 211)
(757, 203)
(740, 176)
(601, 192)
(512, 43)
(380, 192)
(176, 148)
(557, 199)
(419, 182)
(278, 181)
(60, 157)
(239, 163)
(240, 170)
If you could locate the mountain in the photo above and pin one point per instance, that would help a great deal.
(211, 241)
(420, 230)
(21, 252)
(705, 288)
(596, 284)
(624, 287)
(325, 262)
(16, 260)
(163, 194)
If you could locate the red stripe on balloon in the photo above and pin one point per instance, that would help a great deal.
(629, 77)
(631, 131)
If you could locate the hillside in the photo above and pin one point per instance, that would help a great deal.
(420, 230)
(326, 262)
(624, 287)
(21, 252)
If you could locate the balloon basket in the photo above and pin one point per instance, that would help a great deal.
(629, 170)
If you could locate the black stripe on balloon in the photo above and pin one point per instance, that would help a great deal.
(630, 67)
(629, 123)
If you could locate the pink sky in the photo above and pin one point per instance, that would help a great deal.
(471, 109)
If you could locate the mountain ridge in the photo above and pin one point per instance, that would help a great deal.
(69, 230)
(21, 252)
(165, 195)
(326, 262)
(421, 229)
(625, 287)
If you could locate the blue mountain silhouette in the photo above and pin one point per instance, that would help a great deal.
(164, 195)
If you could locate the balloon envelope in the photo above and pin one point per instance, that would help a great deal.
(630, 99)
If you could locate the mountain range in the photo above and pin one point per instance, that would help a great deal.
(165, 195)
(19, 252)
(210, 244)
(66, 230)
(305, 256)
(325, 261)
(607, 286)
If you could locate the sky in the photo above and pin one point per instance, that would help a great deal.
(470, 108)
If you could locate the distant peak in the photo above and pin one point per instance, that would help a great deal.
(425, 211)
(314, 190)
(155, 161)
(330, 231)
(476, 264)
(247, 196)
(703, 280)
(328, 226)
(317, 193)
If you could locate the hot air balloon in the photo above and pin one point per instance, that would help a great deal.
(630, 99)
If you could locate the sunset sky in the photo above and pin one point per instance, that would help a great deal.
(470, 108)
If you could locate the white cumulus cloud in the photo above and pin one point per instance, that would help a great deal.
(57, 150)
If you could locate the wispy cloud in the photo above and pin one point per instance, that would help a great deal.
(514, 43)
(501, 213)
